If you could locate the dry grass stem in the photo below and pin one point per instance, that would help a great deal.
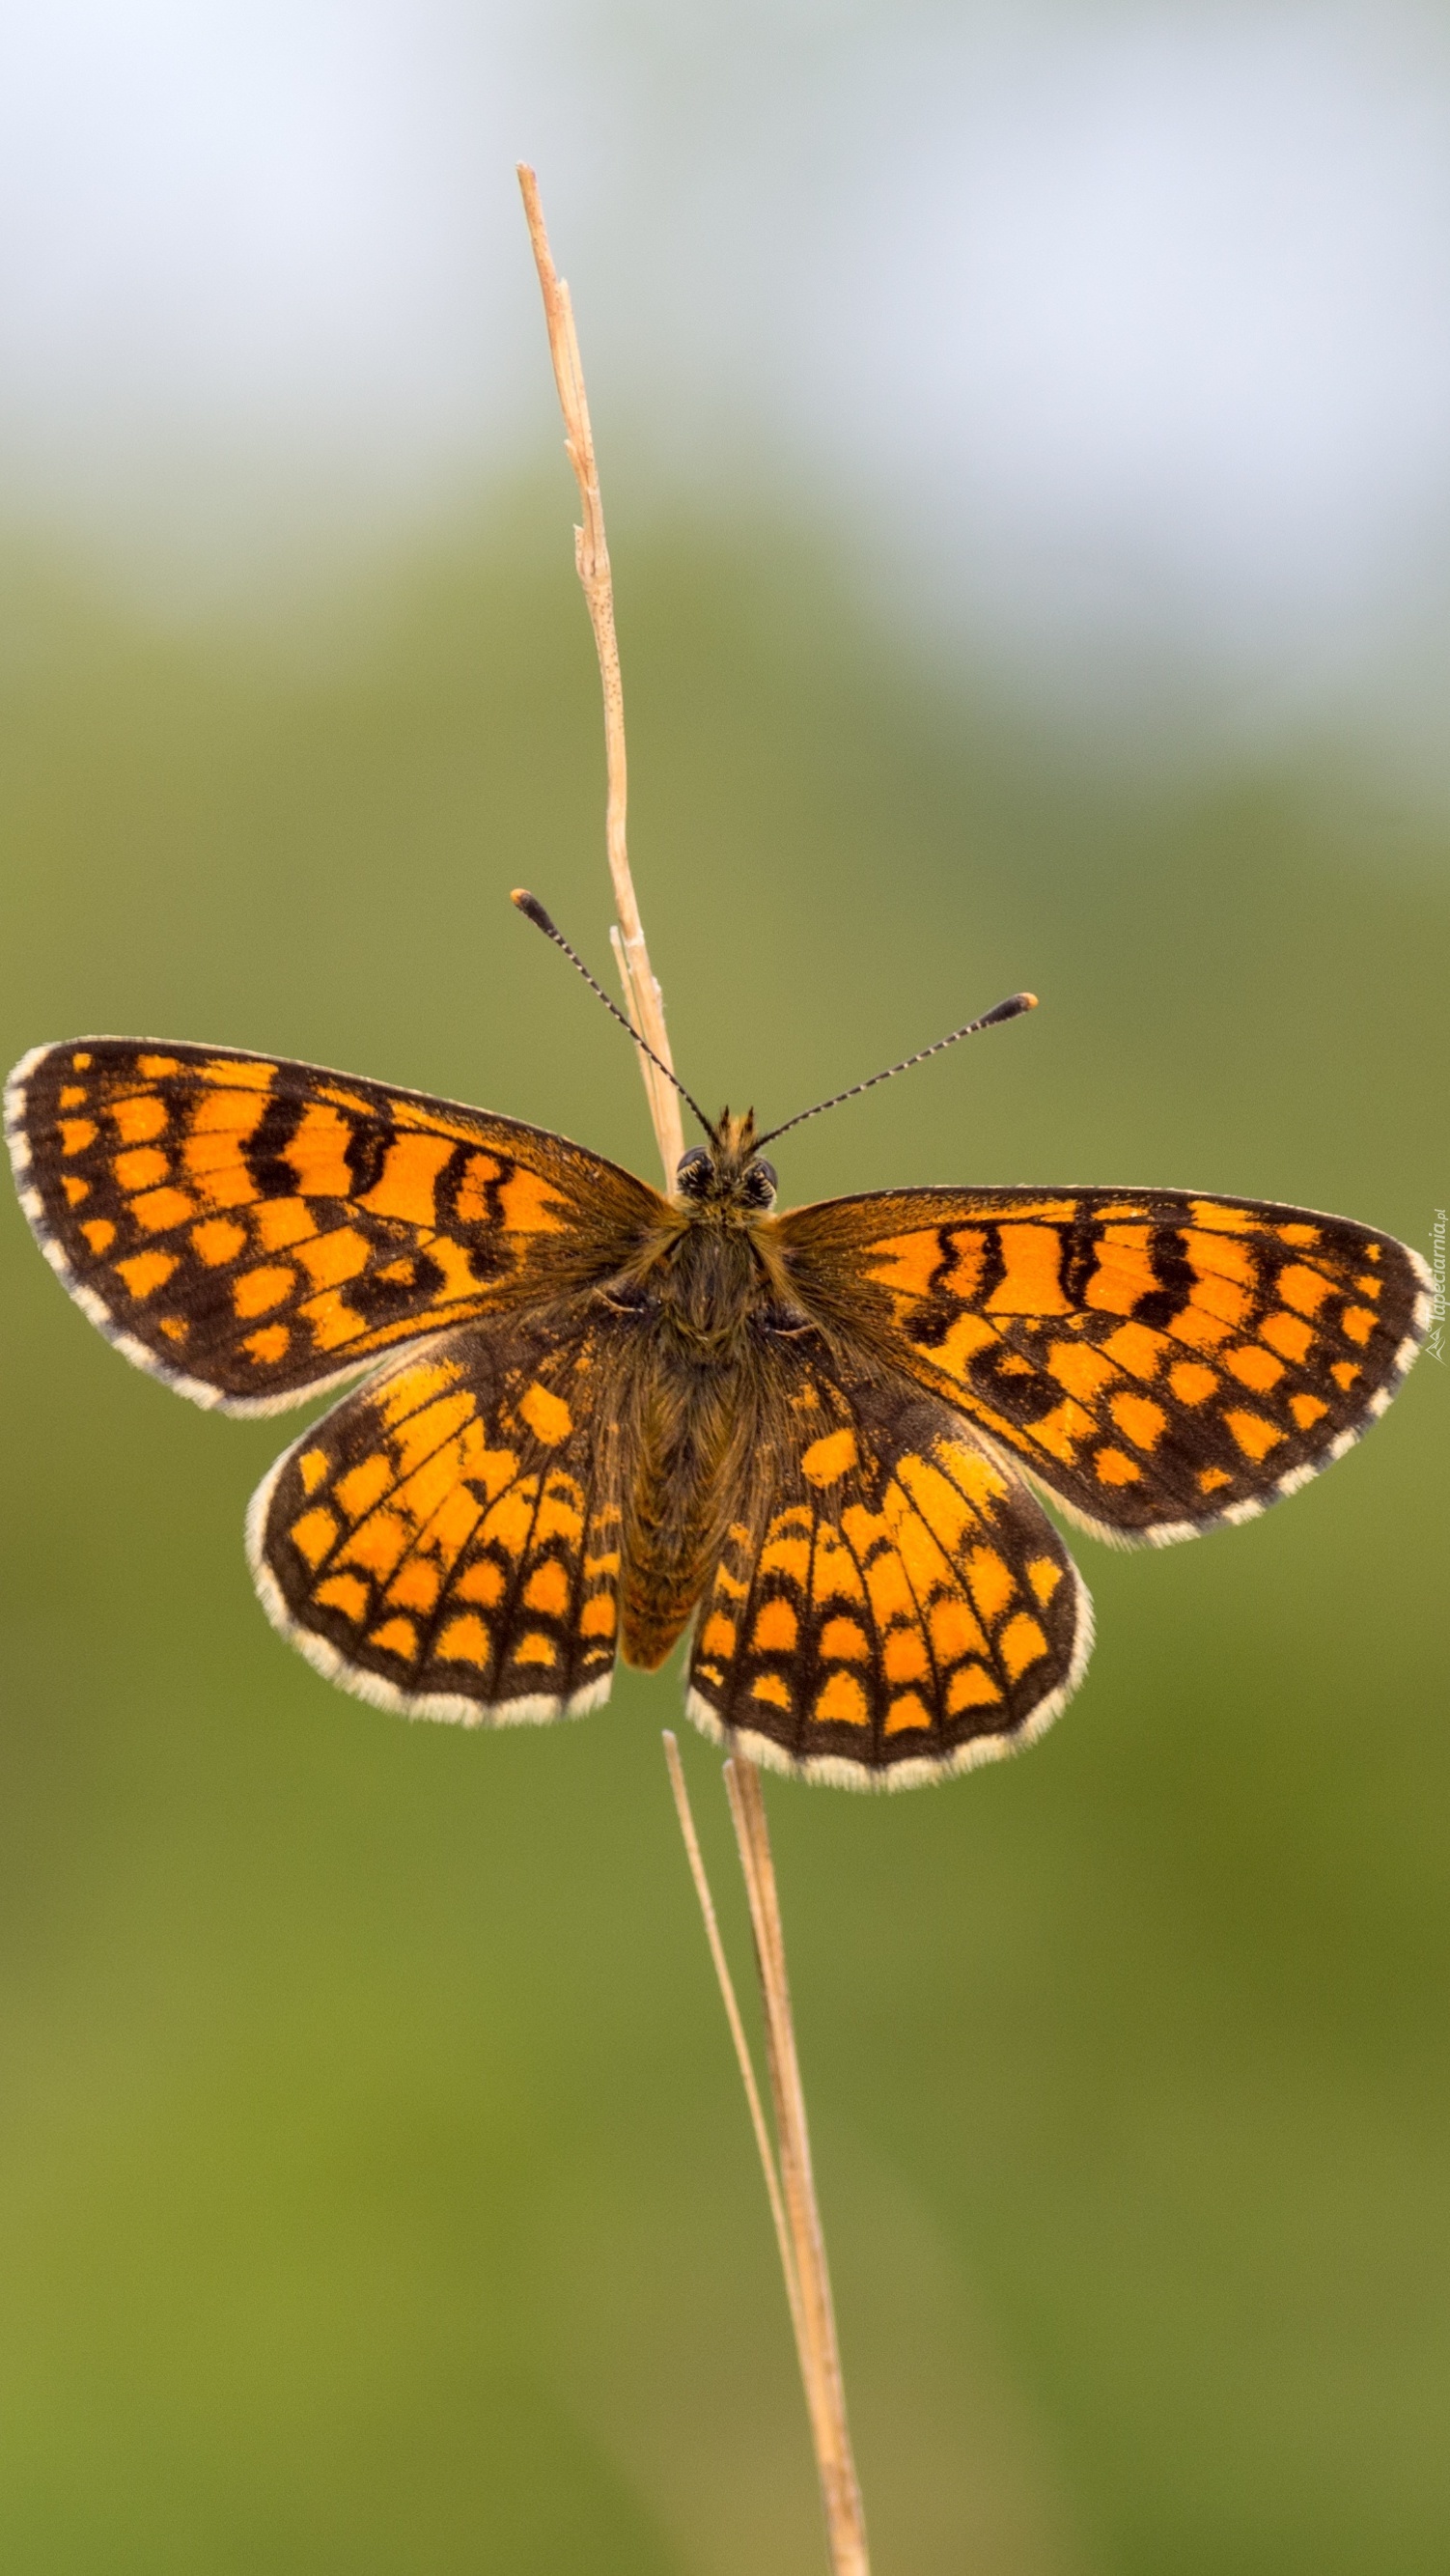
(737, 2030)
(790, 2185)
(815, 2316)
(643, 998)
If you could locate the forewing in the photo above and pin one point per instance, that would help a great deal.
(893, 1605)
(251, 1229)
(1160, 1361)
(446, 1541)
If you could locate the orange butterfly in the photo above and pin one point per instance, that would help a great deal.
(593, 1414)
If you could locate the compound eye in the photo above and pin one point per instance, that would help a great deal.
(760, 1183)
(694, 1172)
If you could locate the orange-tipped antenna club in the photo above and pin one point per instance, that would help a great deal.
(1011, 1009)
(532, 910)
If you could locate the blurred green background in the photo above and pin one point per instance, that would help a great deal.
(375, 2191)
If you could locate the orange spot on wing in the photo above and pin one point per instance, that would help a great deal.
(1307, 1410)
(1143, 1421)
(547, 1416)
(1031, 1285)
(841, 1701)
(536, 1648)
(364, 1485)
(253, 1291)
(907, 1713)
(410, 1171)
(596, 1619)
(971, 1687)
(217, 1239)
(844, 1641)
(991, 1580)
(1044, 1575)
(465, 1640)
(139, 1119)
(1254, 1435)
(1303, 1237)
(246, 1077)
(313, 1535)
(1344, 1373)
(547, 1589)
(531, 1207)
(312, 1468)
(906, 1262)
(76, 1134)
(396, 1637)
(1289, 1335)
(787, 1555)
(282, 1222)
(76, 1190)
(1302, 1289)
(1191, 1382)
(415, 1586)
(1021, 1643)
(100, 1234)
(904, 1656)
(482, 1581)
(831, 1458)
(954, 1630)
(1124, 1272)
(775, 1631)
(378, 1542)
(268, 1345)
(159, 1210)
(1254, 1367)
(329, 1259)
(347, 1593)
(719, 1635)
(1115, 1467)
(318, 1152)
(1211, 1480)
(145, 1272)
(141, 1169)
(771, 1690)
(969, 1248)
(152, 1068)
(73, 1096)
(175, 1327)
(1358, 1322)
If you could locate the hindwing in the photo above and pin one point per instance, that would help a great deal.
(446, 1542)
(1159, 1360)
(251, 1229)
(891, 1605)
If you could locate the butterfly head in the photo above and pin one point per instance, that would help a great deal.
(727, 1176)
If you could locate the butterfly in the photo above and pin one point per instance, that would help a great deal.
(593, 1417)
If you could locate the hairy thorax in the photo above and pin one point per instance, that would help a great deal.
(699, 1402)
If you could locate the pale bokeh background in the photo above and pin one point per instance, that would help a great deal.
(1027, 435)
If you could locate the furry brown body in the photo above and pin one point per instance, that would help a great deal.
(710, 1291)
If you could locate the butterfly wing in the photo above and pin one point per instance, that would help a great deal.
(1159, 1360)
(892, 1605)
(446, 1542)
(251, 1229)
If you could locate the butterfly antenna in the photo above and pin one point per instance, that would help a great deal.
(532, 910)
(1008, 1010)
